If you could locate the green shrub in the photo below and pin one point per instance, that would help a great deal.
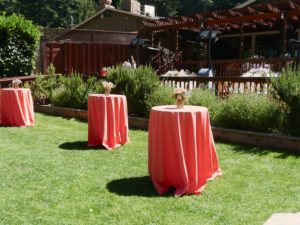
(207, 98)
(74, 90)
(249, 112)
(160, 96)
(18, 45)
(287, 90)
(42, 87)
(136, 84)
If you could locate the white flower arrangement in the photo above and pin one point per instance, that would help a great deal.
(16, 83)
(107, 87)
(107, 84)
(179, 93)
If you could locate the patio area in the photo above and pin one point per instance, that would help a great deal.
(49, 176)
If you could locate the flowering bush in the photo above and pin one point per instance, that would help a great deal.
(160, 96)
(73, 90)
(287, 91)
(206, 98)
(249, 112)
(137, 84)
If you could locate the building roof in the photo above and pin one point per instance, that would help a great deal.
(114, 10)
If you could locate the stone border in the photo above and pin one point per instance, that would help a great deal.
(235, 136)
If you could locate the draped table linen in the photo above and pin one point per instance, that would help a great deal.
(16, 107)
(181, 149)
(107, 120)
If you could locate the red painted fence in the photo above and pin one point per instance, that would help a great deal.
(83, 57)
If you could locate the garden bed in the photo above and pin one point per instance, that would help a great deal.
(235, 136)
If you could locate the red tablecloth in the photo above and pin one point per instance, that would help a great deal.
(107, 120)
(16, 107)
(181, 149)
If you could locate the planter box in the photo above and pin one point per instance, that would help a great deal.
(134, 122)
(257, 139)
(235, 136)
(62, 111)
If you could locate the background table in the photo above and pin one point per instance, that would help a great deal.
(107, 120)
(16, 107)
(181, 150)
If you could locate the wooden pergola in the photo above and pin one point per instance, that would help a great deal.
(264, 14)
(277, 15)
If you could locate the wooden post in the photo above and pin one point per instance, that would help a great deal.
(205, 58)
(152, 38)
(241, 40)
(176, 42)
(284, 33)
(253, 44)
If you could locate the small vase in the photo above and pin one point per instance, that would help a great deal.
(15, 86)
(107, 91)
(180, 103)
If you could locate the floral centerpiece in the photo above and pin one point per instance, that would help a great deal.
(16, 83)
(180, 95)
(107, 87)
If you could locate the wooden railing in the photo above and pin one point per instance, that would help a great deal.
(221, 85)
(234, 67)
(6, 82)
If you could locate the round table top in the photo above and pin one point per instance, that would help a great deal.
(107, 96)
(15, 89)
(173, 108)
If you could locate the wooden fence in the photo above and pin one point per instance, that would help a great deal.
(83, 57)
(234, 67)
(221, 85)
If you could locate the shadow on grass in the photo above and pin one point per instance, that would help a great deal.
(79, 145)
(280, 153)
(135, 186)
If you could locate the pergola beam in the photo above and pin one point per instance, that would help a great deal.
(233, 20)
(248, 18)
(264, 14)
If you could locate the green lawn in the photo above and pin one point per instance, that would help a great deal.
(49, 176)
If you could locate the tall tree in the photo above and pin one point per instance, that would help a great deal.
(188, 7)
(8, 6)
(85, 10)
(51, 13)
(225, 4)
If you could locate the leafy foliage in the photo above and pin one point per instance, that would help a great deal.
(74, 90)
(136, 84)
(161, 96)
(57, 13)
(207, 98)
(188, 7)
(67, 91)
(249, 112)
(287, 89)
(19, 42)
(42, 87)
